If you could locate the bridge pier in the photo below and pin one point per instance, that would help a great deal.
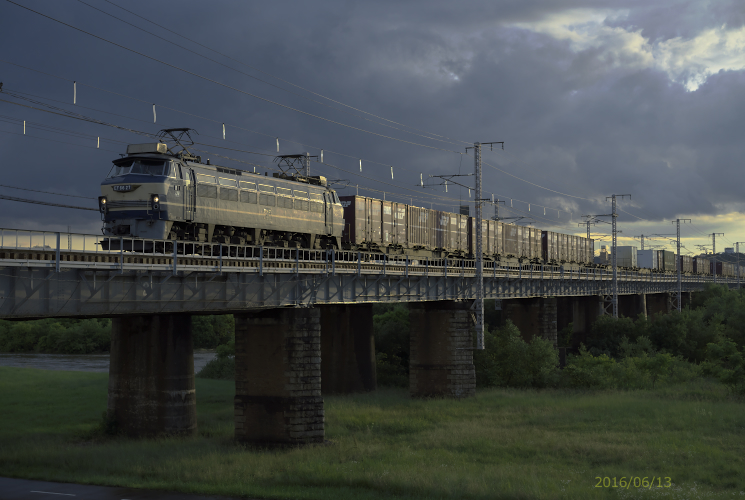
(657, 303)
(583, 311)
(535, 316)
(632, 306)
(278, 377)
(151, 375)
(347, 349)
(441, 355)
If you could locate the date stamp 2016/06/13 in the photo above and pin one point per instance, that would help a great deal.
(635, 481)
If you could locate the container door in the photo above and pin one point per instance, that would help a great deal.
(190, 194)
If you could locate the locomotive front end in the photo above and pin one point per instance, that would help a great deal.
(133, 201)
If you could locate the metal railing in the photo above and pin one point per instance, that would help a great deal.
(60, 242)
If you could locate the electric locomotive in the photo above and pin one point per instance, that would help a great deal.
(157, 192)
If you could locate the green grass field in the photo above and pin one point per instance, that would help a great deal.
(501, 444)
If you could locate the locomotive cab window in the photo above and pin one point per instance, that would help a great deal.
(140, 166)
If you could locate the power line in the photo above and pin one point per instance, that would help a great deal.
(72, 114)
(47, 192)
(205, 78)
(61, 142)
(259, 79)
(276, 77)
(47, 203)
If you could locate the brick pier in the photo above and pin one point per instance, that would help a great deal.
(278, 377)
(441, 358)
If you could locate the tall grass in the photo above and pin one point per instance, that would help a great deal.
(504, 443)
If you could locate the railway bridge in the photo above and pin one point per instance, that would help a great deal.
(303, 318)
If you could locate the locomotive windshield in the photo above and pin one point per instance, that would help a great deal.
(151, 167)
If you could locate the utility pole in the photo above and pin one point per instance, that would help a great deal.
(680, 264)
(714, 252)
(592, 220)
(496, 208)
(614, 250)
(479, 302)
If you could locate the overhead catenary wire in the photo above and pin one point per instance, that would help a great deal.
(47, 192)
(224, 85)
(250, 163)
(47, 203)
(93, 120)
(309, 145)
(77, 115)
(276, 77)
(60, 142)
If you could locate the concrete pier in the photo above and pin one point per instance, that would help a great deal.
(657, 303)
(278, 377)
(347, 349)
(151, 375)
(535, 316)
(441, 358)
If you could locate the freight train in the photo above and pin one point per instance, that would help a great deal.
(154, 193)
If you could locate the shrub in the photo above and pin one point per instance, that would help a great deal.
(685, 333)
(726, 362)
(223, 366)
(509, 361)
(608, 332)
(211, 331)
(391, 330)
(57, 336)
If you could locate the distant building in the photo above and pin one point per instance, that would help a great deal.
(729, 250)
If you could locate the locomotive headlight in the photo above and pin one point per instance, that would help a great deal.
(155, 201)
(102, 203)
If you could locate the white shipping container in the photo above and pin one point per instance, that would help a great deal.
(626, 256)
(647, 259)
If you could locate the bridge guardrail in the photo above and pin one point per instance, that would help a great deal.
(174, 250)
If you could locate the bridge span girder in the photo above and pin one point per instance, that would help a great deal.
(29, 291)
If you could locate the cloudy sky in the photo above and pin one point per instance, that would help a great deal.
(591, 99)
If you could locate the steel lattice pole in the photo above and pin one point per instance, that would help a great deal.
(714, 255)
(680, 265)
(479, 251)
(615, 267)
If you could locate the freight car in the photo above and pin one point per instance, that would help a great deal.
(397, 228)
(701, 265)
(723, 269)
(686, 264)
(156, 194)
(666, 261)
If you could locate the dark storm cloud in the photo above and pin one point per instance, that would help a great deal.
(588, 119)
